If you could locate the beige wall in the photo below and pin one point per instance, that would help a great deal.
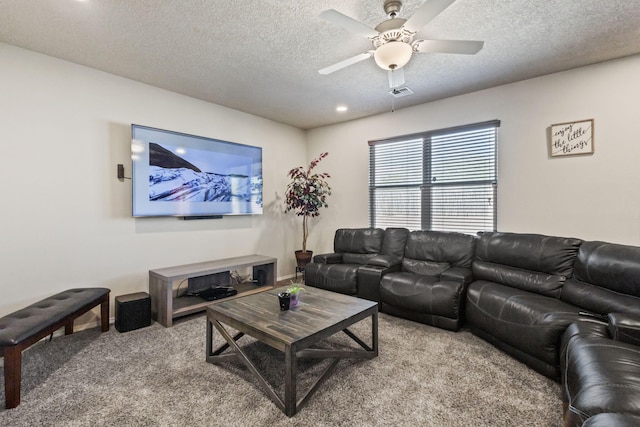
(65, 217)
(591, 197)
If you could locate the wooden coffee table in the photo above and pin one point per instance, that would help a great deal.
(319, 314)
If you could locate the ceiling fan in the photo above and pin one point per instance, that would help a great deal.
(394, 40)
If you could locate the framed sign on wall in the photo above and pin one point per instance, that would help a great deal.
(571, 138)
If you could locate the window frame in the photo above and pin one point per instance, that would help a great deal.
(426, 216)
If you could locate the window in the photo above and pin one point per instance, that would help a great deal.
(442, 180)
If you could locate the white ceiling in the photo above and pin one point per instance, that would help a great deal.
(262, 56)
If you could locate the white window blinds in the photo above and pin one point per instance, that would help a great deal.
(443, 180)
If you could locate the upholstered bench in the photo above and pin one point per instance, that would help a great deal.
(25, 327)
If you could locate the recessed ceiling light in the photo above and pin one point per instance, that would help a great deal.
(341, 108)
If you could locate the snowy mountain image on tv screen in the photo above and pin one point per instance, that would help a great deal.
(173, 178)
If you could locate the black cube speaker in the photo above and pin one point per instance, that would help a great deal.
(133, 311)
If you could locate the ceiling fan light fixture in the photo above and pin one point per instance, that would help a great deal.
(393, 55)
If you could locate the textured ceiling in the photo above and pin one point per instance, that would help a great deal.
(262, 56)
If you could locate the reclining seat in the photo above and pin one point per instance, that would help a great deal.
(606, 279)
(600, 361)
(601, 372)
(338, 271)
(514, 301)
(430, 288)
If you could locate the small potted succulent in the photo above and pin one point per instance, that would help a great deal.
(294, 290)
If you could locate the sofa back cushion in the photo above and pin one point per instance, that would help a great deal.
(350, 258)
(394, 241)
(358, 245)
(606, 278)
(531, 262)
(540, 283)
(535, 252)
(392, 248)
(358, 240)
(432, 252)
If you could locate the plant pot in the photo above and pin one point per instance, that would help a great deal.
(284, 298)
(303, 258)
(294, 299)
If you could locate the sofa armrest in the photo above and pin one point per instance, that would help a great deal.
(334, 258)
(457, 274)
(385, 261)
(624, 327)
(585, 326)
(369, 277)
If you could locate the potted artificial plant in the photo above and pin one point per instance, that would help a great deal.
(294, 290)
(305, 195)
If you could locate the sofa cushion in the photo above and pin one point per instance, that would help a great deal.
(534, 252)
(425, 268)
(394, 241)
(392, 248)
(532, 281)
(606, 278)
(340, 278)
(358, 240)
(598, 300)
(611, 266)
(332, 258)
(610, 420)
(455, 249)
(528, 321)
(422, 294)
(360, 259)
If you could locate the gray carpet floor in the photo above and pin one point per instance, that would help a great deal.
(158, 376)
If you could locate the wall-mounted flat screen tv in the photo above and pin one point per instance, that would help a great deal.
(175, 174)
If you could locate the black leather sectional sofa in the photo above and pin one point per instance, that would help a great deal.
(568, 308)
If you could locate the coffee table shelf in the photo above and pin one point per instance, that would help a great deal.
(167, 305)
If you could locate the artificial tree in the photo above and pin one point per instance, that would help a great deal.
(306, 194)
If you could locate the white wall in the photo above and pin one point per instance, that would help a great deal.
(590, 197)
(65, 217)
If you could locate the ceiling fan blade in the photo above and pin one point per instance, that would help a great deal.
(425, 13)
(343, 64)
(347, 23)
(396, 78)
(466, 47)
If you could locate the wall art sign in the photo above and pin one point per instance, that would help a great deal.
(571, 138)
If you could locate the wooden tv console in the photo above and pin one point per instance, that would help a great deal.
(164, 284)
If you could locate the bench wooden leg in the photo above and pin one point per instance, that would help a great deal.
(104, 317)
(12, 375)
(104, 313)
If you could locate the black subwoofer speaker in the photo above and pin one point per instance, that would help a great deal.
(133, 311)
